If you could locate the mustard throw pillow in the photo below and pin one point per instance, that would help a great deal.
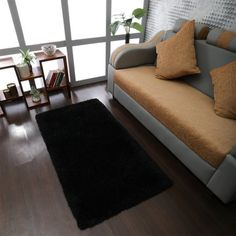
(176, 55)
(224, 84)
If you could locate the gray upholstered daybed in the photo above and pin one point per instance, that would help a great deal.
(178, 113)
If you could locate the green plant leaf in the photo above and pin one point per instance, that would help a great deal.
(115, 26)
(22, 53)
(137, 26)
(121, 19)
(127, 22)
(138, 13)
(26, 56)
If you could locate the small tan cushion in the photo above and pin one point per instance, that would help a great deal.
(224, 82)
(201, 30)
(176, 55)
(184, 110)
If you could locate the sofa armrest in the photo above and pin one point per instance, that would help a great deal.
(130, 55)
(233, 151)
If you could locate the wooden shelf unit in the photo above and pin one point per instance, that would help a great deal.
(57, 88)
(4, 99)
(7, 63)
(42, 57)
(31, 104)
(38, 72)
(1, 111)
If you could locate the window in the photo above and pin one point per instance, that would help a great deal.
(90, 60)
(8, 37)
(119, 6)
(87, 18)
(7, 76)
(26, 86)
(41, 20)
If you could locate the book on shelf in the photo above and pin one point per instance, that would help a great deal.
(54, 78)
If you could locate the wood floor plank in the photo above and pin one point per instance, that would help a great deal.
(32, 202)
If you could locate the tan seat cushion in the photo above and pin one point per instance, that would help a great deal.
(176, 55)
(187, 112)
(224, 83)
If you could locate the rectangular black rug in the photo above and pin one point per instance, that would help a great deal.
(102, 169)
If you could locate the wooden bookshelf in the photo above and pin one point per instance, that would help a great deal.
(31, 104)
(65, 85)
(57, 88)
(4, 99)
(1, 112)
(41, 56)
(7, 63)
(37, 73)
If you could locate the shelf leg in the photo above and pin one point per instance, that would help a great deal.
(3, 110)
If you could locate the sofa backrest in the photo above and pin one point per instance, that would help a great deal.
(209, 57)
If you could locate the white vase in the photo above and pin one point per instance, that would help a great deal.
(23, 70)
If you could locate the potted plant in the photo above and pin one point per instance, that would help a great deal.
(35, 94)
(27, 58)
(127, 22)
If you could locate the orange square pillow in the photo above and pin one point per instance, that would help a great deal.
(176, 55)
(224, 84)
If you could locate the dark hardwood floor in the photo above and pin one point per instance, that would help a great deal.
(32, 202)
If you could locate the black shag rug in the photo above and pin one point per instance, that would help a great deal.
(102, 169)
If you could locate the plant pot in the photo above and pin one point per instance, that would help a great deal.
(127, 36)
(30, 68)
(23, 70)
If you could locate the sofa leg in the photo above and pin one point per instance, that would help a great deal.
(223, 181)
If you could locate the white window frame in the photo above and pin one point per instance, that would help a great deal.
(68, 42)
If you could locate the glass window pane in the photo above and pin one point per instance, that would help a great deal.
(26, 86)
(52, 65)
(8, 37)
(7, 76)
(87, 18)
(41, 20)
(90, 61)
(126, 7)
(118, 43)
(39, 83)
